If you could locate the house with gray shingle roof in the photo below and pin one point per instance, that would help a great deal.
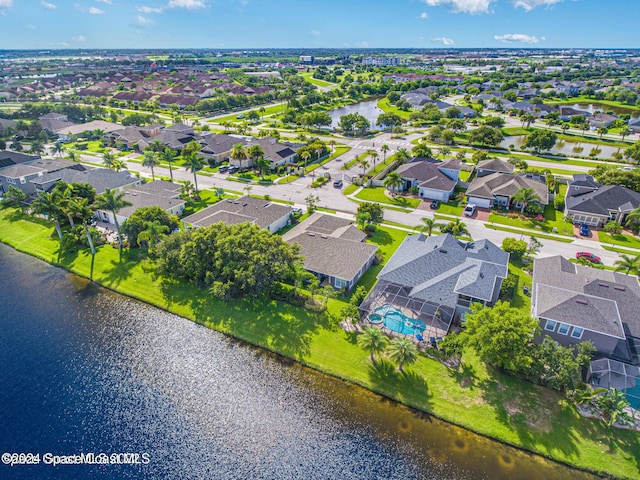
(271, 216)
(333, 249)
(99, 178)
(497, 189)
(434, 179)
(493, 165)
(575, 304)
(589, 202)
(436, 279)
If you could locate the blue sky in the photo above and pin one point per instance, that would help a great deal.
(320, 23)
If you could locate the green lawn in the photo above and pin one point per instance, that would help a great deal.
(349, 189)
(377, 195)
(207, 197)
(450, 208)
(464, 175)
(475, 396)
(383, 104)
(520, 232)
(316, 81)
(623, 240)
(553, 219)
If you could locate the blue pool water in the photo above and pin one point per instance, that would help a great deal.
(395, 320)
(633, 396)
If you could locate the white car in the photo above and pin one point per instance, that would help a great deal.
(470, 209)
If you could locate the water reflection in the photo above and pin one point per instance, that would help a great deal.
(368, 109)
(566, 147)
(86, 370)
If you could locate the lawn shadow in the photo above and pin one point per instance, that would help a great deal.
(118, 272)
(464, 375)
(380, 237)
(408, 386)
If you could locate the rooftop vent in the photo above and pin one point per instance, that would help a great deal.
(604, 285)
(245, 204)
(323, 236)
(582, 302)
(311, 234)
(442, 250)
(618, 287)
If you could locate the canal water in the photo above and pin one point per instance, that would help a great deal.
(569, 148)
(86, 371)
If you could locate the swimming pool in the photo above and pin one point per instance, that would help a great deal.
(395, 320)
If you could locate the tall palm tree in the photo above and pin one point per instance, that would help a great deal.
(186, 189)
(628, 264)
(428, 224)
(107, 159)
(602, 131)
(525, 196)
(298, 274)
(119, 165)
(85, 211)
(364, 164)
(46, 203)
(152, 233)
(57, 148)
(73, 156)
(262, 164)
(150, 160)
(393, 182)
(374, 340)
(456, 228)
(319, 152)
(384, 149)
(374, 156)
(169, 156)
(239, 153)
(402, 351)
(624, 131)
(114, 201)
(255, 152)
(193, 164)
(332, 144)
(305, 155)
(403, 155)
(633, 219)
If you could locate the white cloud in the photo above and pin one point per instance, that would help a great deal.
(517, 37)
(188, 4)
(140, 20)
(108, 2)
(362, 44)
(529, 5)
(95, 11)
(31, 26)
(443, 40)
(424, 16)
(79, 38)
(48, 6)
(5, 5)
(145, 9)
(463, 6)
(315, 32)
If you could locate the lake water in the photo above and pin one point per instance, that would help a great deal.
(86, 370)
(368, 109)
(593, 107)
(566, 147)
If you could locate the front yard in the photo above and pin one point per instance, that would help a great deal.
(378, 195)
(552, 222)
(624, 240)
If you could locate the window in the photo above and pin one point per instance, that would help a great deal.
(563, 329)
(577, 332)
(11, 181)
(340, 283)
(550, 326)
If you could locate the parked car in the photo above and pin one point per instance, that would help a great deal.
(470, 209)
(337, 183)
(435, 204)
(589, 256)
(233, 169)
(240, 116)
(584, 230)
(223, 168)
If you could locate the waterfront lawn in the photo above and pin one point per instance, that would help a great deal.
(474, 396)
(383, 104)
(377, 195)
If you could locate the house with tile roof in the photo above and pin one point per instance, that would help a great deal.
(574, 303)
(589, 202)
(334, 250)
(271, 216)
(434, 179)
(497, 189)
(436, 279)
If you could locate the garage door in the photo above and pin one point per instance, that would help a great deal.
(480, 202)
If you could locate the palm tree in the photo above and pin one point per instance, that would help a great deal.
(255, 152)
(298, 274)
(384, 149)
(611, 405)
(364, 164)
(262, 164)
(73, 156)
(402, 351)
(37, 147)
(85, 211)
(57, 148)
(169, 155)
(150, 160)
(428, 224)
(444, 151)
(186, 189)
(114, 201)
(602, 131)
(525, 196)
(152, 233)
(332, 144)
(305, 155)
(119, 165)
(374, 156)
(628, 264)
(624, 131)
(456, 228)
(239, 153)
(422, 150)
(374, 340)
(319, 152)
(393, 182)
(633, 218)
(193, 164)
(403, 155)
(107, 159)
(46, 203)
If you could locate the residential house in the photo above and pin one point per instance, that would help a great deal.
(496, 190)
(76, 129)
(334, 250)
(271, 216)
(436, 279)
(589, 202)
(133, 137)
(600, 119)
(219, 147)
(54, 121)
(278, 154)
(634, 125)
(493, 165)
(434, 179)
(574, 303)
(20, 175)
(99, 178)
(567, 113)
(165, 195)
